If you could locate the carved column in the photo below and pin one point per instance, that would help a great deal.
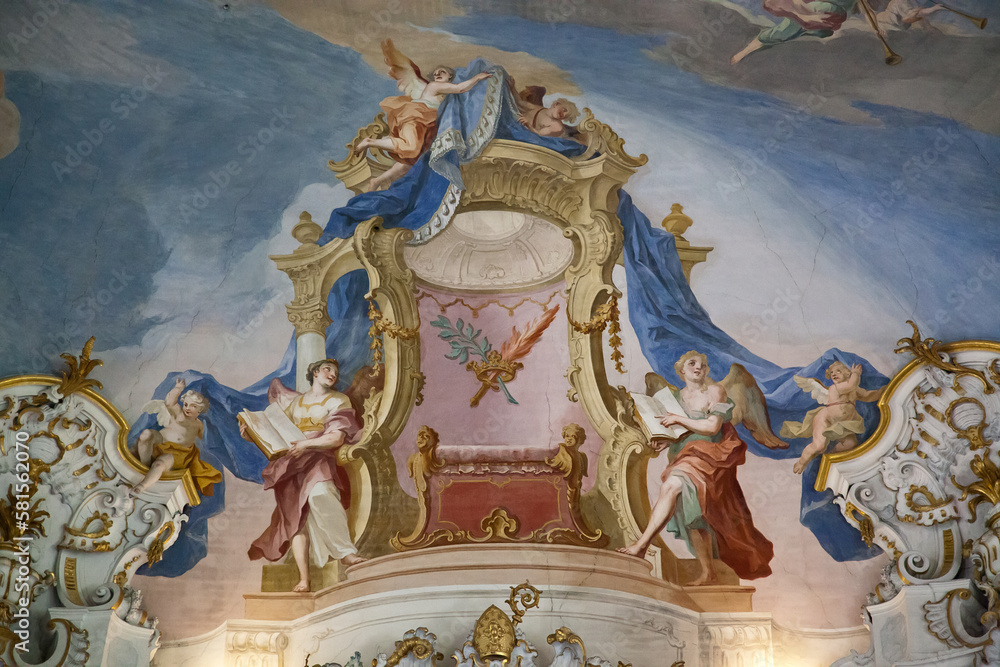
(307, 311)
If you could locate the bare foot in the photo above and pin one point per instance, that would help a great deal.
(799, 466)
(633, 550)
(134, 491)
(754, 45)
(301, 587)
(704, 579)
(351, 559)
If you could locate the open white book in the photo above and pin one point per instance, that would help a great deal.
(648, 408)
(271, 430)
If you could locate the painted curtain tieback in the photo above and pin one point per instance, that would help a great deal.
(496, 368)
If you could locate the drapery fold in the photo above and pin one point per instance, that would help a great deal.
(665, 314)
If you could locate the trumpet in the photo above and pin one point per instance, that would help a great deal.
(891, 57)
(980, 21)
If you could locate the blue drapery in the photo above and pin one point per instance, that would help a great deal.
(663, 311)
(346, 340)
(669, 321)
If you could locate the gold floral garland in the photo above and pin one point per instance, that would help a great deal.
(606, 317)
(382, 325)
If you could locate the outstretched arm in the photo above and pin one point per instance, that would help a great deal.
(171, 399)
(852, 382)
(437, 88)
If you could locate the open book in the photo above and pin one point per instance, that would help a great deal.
(648, 408)
(271, 430)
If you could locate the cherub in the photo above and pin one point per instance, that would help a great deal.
(412, 117)
(172, 447)
(542, 120)
(837, 420)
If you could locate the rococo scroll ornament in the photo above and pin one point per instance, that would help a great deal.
(926, 489)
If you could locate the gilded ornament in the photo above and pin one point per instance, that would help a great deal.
(35, 524)
(864, 522)
(155, 552)
(522, 598)
(931, 351)
(382, 325)
(605, 316)
(491, 372)
(960, 412)
(421, 649)
(69, 581)
(78, 368)
(103, 531)
(567, 636)
(493, 637)
(986, 488)
(602, 139)
(500, 526)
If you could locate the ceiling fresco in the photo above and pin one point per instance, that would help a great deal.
(154, 156)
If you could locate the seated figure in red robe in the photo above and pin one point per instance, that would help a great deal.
(700, 499)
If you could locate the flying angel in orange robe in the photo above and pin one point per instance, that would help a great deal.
(412, 116)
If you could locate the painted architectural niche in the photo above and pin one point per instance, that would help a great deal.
(456, 495)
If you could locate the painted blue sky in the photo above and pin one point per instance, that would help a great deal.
(206, 130)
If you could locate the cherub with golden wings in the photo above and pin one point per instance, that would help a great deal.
(412, 116)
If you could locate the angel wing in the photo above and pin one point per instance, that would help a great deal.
(403, 70)
(158, 408)
(751, 406)
(366, 379)
(532, 95)
(814, 388)
(655, 383)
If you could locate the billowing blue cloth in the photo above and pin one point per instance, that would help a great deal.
(346, 340)
(664, 313)
(669, 321)
(413, 200)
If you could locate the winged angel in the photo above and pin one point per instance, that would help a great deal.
(412, 116)
(837, 419)
(172, 447)
(700, 499)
